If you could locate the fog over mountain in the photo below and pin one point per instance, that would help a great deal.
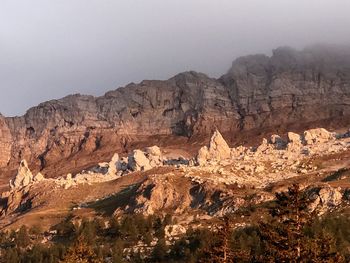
(49, 49)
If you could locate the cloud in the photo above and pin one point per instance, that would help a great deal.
(49, 49)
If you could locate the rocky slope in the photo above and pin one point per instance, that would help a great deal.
(220, 180)
(289, 89)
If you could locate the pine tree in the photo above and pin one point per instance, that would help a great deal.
(117, 251)
(11, 256)
(80, 252)
(222, 251)
(22, 238)
(283, 236)
(160, 251)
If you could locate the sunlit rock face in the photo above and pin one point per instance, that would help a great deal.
(289, 88)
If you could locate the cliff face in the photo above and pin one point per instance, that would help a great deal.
(290, 87)
(178, 106)
(5, 142)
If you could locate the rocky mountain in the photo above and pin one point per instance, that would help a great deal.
(288, 89)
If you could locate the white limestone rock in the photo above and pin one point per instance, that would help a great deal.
(137, 161)
(318, 135)
(294, 142)
(154, 155)
(113, 164)
(218, 150)
(263, 147)
(23, 177)
(203, 155)
(324, 199)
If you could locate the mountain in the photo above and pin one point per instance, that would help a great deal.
(146, 172)
(290, 89)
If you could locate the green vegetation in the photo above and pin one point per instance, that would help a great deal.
(288, 234)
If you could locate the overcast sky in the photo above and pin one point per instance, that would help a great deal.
(49, 49)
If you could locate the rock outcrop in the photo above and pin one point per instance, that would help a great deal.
(324, 199)
(217, 150)
(294, 142)
(318, 135)
(290, 88)
(137, 161)
(23, 177)
(164, 193)
(113, 165)
(154, 155)
(145, 160)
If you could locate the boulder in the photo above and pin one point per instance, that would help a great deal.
(137, 161)
(218, 147)
(154, 156)
(294, 138)
(153, 150)
(69, 177)
(318, 135)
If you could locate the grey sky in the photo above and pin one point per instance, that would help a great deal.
(49, 49)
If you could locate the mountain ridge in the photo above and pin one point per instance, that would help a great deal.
(290, 88)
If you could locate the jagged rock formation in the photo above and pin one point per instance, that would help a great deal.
(20, 186)
(144, 160)
(138, 160)
(24, 176)
(218, 150)
(113, 164)
(273, 160)
(290, 88)
(230, 178)
(103, 172)
(178, 195)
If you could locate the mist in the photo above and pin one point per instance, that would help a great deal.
(49, 49)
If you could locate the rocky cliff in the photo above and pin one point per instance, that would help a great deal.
(258, 92)
(290, 86)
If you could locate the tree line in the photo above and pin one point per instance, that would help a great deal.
(290, 233)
